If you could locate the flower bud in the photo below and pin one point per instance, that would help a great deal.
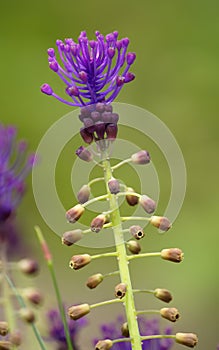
(4, 328)
(27, 315)
(84, 194)
(134, 247)
(147, 204)
(136, 231)
(141, 157)
(160, 222)
(172, 254)
(16, 338)
(88, 138)
(104, 344)
(114, 186)
(163, 294)
(171, 314)
(77, 311)
(131, 200)
(33, 295)
(120, 290)
(79, 261)
(28, 266)
(5, 345)
(188, 339)
(97, 223)
(84, 154)
(94, 280)
(71, 237)
(111, 131)
(74, 214)
(125, 330)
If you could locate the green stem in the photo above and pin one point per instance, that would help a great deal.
(121, 163)
(143, 255)
(107, 302)
(114, 273)
(49, 261)
(23, 305)
(134, 218)
(93, 200)
(122, 258)
(141, 312)
(158, 336)
(150, 291)
(95, 180)
(104, 255)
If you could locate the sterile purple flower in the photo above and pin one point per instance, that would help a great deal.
(92, 70)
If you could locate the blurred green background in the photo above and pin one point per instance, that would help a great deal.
(177, 79)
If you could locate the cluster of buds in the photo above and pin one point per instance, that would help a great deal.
(99, 122)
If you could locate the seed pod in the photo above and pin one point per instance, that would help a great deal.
(74, 214)
(163, 294)
(171, 314)
(94, 280)
(97, 223)
(136, 231)
(188, 339)
(71, 237)
(104, 344)
(5, 345)
(134, 247)
(4, 328)
(79, 261)
(141, 157)
(120, 290)
(161, 222)
(77, 311)
(83, 194)
(27, 315)
(28, 266)
(172, 254)
(131, 200)
(147, 204)
(125, 330)
(114, 186)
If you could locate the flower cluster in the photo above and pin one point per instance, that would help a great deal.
(92, 70)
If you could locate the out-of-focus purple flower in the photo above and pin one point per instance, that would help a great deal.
(57, 333)
(147, 327)
(14, 167)
(92, 70)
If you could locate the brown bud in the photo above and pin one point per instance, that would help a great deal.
(161, 222)
(120, 290)
(172, 254)
(125, 330)
(163, 294)
(27, 315)
(16, 338)
(28, 266)
(77, 311)
(83, 194)
(188, 339)
(147, 204)
(97, 223)
(171, 314)
(74, 214)
(104, 344)
(4, 328)
(94, 280)
(134, 247)
(5, 345)
(33, 295)
(141, 157)
(71, 237)
(136, 231)
(114, 186)
(79, 261)
(131, 200)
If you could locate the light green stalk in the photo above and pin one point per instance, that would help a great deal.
(122, 259)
